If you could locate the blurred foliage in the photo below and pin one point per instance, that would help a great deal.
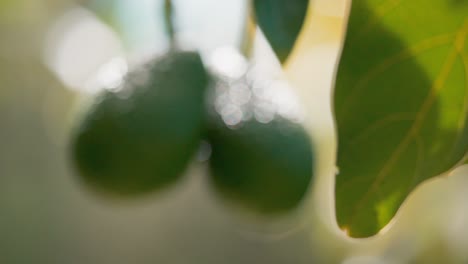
(104, 9)
(47, 216)
(5, 5)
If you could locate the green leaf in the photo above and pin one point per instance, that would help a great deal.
(281, 21)
(401, 102)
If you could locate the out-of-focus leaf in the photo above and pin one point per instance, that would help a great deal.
(13, 9)
(281, 21)
(104, 9)
(5, 4)
(401, 103)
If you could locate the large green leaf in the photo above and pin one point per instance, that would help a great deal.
(401, 102)
(281, 21)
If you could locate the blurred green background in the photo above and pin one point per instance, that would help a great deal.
(49, 51)
(46, 216)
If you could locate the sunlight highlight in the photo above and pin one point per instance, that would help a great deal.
(77, 46)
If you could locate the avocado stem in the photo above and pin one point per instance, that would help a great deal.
(169, 19)
(248, 37)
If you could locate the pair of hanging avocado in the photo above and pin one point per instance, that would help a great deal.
(141, 137)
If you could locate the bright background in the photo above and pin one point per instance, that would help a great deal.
(53, 52)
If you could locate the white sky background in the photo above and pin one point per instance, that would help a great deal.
(80, 45)
(199, 23)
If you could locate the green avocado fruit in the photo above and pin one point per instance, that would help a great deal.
(142, 136)
(264, 167)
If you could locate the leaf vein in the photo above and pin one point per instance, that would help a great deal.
(394, 117)
(412, 51)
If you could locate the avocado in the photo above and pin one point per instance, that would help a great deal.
(141, 137)
(264, 166)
